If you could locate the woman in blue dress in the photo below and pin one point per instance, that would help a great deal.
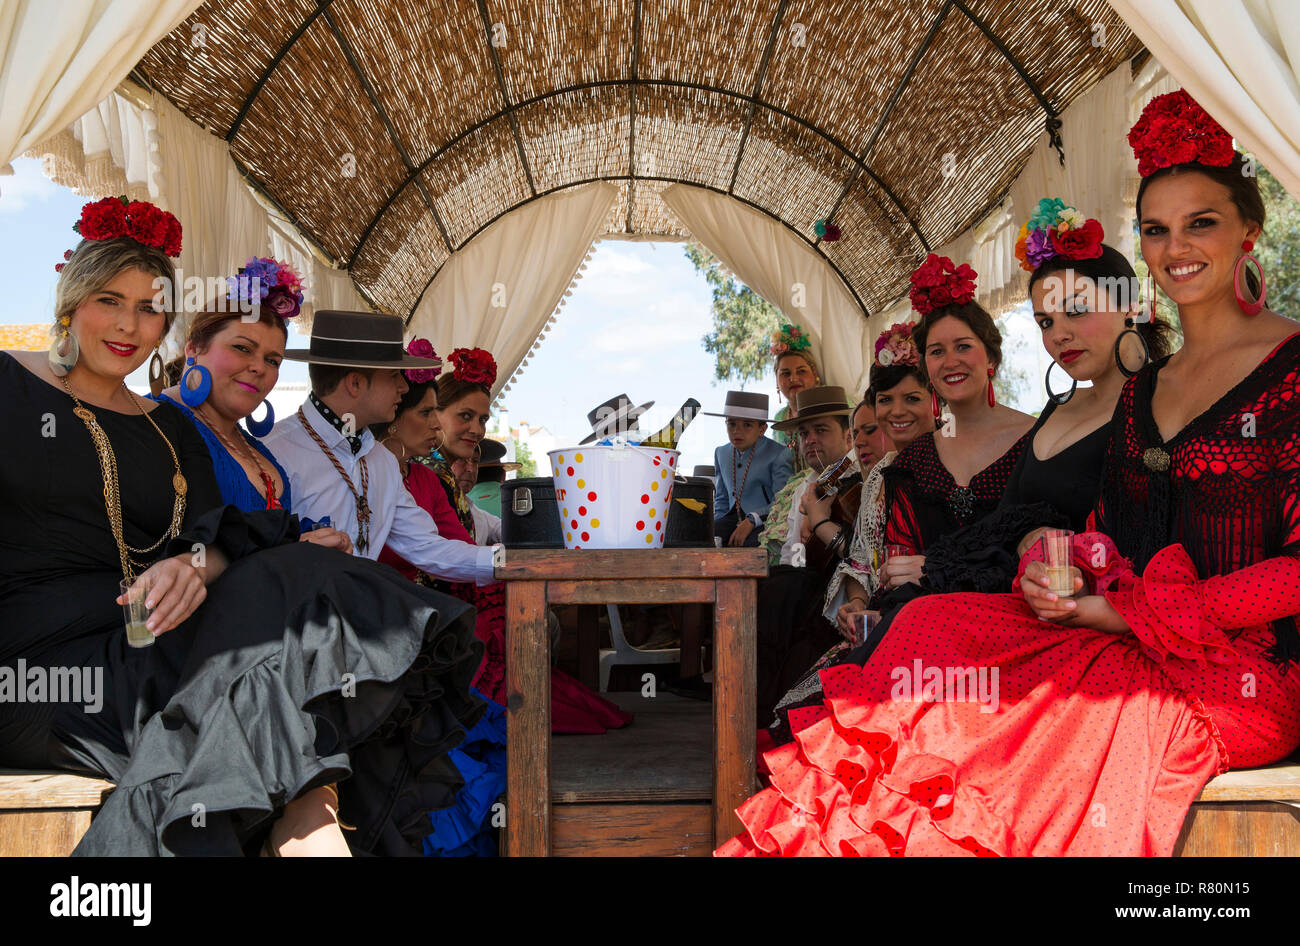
(231, 364)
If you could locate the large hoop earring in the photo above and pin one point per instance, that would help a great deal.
(1248, 305)
(202, 385)
(400, 444)
(64, 352)
(1119, 342)
(156, 372)
(1058, 399)
(260, 428)
(437, 447)
(1147, 312)
(934, 406)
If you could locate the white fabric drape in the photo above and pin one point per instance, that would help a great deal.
(768, 258)
(1238, 59)
(111, 150)
(1098, 168)
(58, 59)
(499, 291)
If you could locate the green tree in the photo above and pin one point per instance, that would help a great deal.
(743, 322)
(524, 457)
(1278, 251)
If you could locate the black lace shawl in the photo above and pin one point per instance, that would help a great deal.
(1231, 490)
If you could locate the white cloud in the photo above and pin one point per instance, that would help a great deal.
(27, 186)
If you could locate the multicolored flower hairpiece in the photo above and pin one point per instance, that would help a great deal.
(1174, 129)
(276, 286)
(421, 348)
(475, 365)
(139, 220)
(789, 338)
(895, 346)
(939, 282)
(1057, 230)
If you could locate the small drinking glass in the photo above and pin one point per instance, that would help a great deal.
(136, 613)
(863, 624)
(1058, 549)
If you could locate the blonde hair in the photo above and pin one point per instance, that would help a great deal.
(95, 263)
(802, 353)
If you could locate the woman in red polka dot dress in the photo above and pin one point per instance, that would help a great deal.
(1026, 724)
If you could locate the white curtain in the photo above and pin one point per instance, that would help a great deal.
(1095, 179)
(771, 260)
(111, 150)
(1238, 59)
(58, 58)
(499, 291)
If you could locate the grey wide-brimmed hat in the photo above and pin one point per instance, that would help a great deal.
(827, 400)
(616, 417)
(742, 405)
(493, 453)
(358, 340)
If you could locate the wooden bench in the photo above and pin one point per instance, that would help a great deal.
(1246, 814)
(44, 814)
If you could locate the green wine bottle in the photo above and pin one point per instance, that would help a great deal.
(666, 439)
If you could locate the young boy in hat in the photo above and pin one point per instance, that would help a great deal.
(334, 468)
(750, 468)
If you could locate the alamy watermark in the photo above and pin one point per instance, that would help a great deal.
(921, 684)
(25, 684)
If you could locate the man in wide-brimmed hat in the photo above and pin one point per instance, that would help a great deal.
(480, 479)
(791, 632)
(751, 468)
(355, 364)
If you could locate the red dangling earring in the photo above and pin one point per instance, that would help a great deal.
(1248, 305)
(934, 405)
(992, 400)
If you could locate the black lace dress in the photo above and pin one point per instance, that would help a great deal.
(304, 666)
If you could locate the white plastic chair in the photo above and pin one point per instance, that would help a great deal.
(624, 653)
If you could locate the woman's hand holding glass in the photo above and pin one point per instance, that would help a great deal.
(176, 589)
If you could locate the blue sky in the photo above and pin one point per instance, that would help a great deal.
(633, 325)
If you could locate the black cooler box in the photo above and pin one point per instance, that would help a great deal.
(530, 517)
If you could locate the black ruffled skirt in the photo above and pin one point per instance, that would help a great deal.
(304, 666)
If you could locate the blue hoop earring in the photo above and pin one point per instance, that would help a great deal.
(195, 396)
(260, 428)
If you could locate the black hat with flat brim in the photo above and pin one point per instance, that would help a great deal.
(358, 340)
(492, 453)
(825, 401)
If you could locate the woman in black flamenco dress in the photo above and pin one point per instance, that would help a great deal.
(304, 666)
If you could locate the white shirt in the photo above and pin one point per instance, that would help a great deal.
(395, 519)
(487, 527)
(794, 521)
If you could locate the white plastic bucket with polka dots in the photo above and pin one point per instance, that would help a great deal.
(613, 497)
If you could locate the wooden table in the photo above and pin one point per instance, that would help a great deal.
(537, 578)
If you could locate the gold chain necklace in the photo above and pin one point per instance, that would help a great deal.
(112, 492)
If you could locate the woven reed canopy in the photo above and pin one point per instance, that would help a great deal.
(392, 131)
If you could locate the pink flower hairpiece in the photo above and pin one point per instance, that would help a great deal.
(421, 348)
(895, 346)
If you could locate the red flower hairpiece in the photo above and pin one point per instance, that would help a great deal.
(140, 220)
(1174, 129)
(421, 348)
(474, 365)
(939, 282)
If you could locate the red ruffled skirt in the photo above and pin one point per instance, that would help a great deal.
(574, 708)
(1072, 741)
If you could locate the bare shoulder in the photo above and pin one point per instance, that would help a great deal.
(1016, 424)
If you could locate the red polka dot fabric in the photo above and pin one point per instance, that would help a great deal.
(977, 730)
